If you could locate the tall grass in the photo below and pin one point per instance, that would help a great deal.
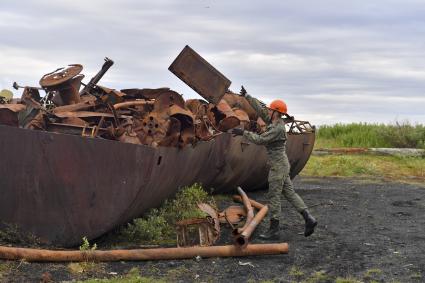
(400, 134)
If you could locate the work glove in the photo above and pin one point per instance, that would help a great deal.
(237, 131)
(288, 118)
(243, 92)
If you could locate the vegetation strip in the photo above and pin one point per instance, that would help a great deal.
(398, 135)
(389, 167)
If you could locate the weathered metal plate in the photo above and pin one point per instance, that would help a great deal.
(201, 76)
(95, 185)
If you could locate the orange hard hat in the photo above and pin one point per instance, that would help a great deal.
(279, 106)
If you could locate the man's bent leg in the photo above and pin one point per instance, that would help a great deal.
(290, 194)
(298, 203)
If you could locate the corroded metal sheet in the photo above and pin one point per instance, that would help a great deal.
(202, 77)
(95, 184)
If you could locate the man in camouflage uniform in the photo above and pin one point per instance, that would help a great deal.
(274, 139)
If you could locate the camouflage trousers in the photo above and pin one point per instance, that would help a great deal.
(280, 184)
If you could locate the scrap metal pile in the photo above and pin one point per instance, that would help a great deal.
(206, 231)
(154, 117)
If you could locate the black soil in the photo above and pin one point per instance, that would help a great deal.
(367, 230)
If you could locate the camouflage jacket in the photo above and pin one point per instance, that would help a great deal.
(274, 138)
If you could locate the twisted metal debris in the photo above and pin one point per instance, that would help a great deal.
(86, 158)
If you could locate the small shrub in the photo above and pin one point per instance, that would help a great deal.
(158, 225)
(85, 246)
(85, 266)
(151, 228)
(11, 234)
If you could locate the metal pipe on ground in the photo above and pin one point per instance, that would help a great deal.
(37, 255)
(254, 203)
(242, 239)
(249, 211)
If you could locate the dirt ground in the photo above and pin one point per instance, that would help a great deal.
(368, 230)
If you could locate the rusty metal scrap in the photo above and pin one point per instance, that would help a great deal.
(243, 234)
(249, 210)
(9, 114)
(212, 213)
(242, 238)
(103, 180)
(195, 232)
(199, 231)
(153, 117)
(38, 255)
(254, 203)
(233, 215)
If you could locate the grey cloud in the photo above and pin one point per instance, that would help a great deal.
(330, 60)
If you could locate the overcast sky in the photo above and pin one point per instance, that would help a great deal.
(331, 61)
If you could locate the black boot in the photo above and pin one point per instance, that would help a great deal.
(273, 232)
(310, 223)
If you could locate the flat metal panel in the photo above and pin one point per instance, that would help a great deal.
(197, 73)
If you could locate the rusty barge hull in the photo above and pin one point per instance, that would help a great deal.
(61, 187)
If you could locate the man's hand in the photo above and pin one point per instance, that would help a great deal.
(243, 92)
(237, 131)
(288, 118)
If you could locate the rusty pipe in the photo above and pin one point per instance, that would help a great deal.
(249, 211)
(242, 239)
(254, 203)
(132, 103)
(38, 255)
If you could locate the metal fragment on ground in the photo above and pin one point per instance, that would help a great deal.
(199, 231)
(233, 215)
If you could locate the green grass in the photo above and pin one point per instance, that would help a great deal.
(5, 268)
(390, 167)
(400, 135)
(296, 273)
(133, 276)
(318, 277)
(373, 275)
(369, 135)
(347, 280)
